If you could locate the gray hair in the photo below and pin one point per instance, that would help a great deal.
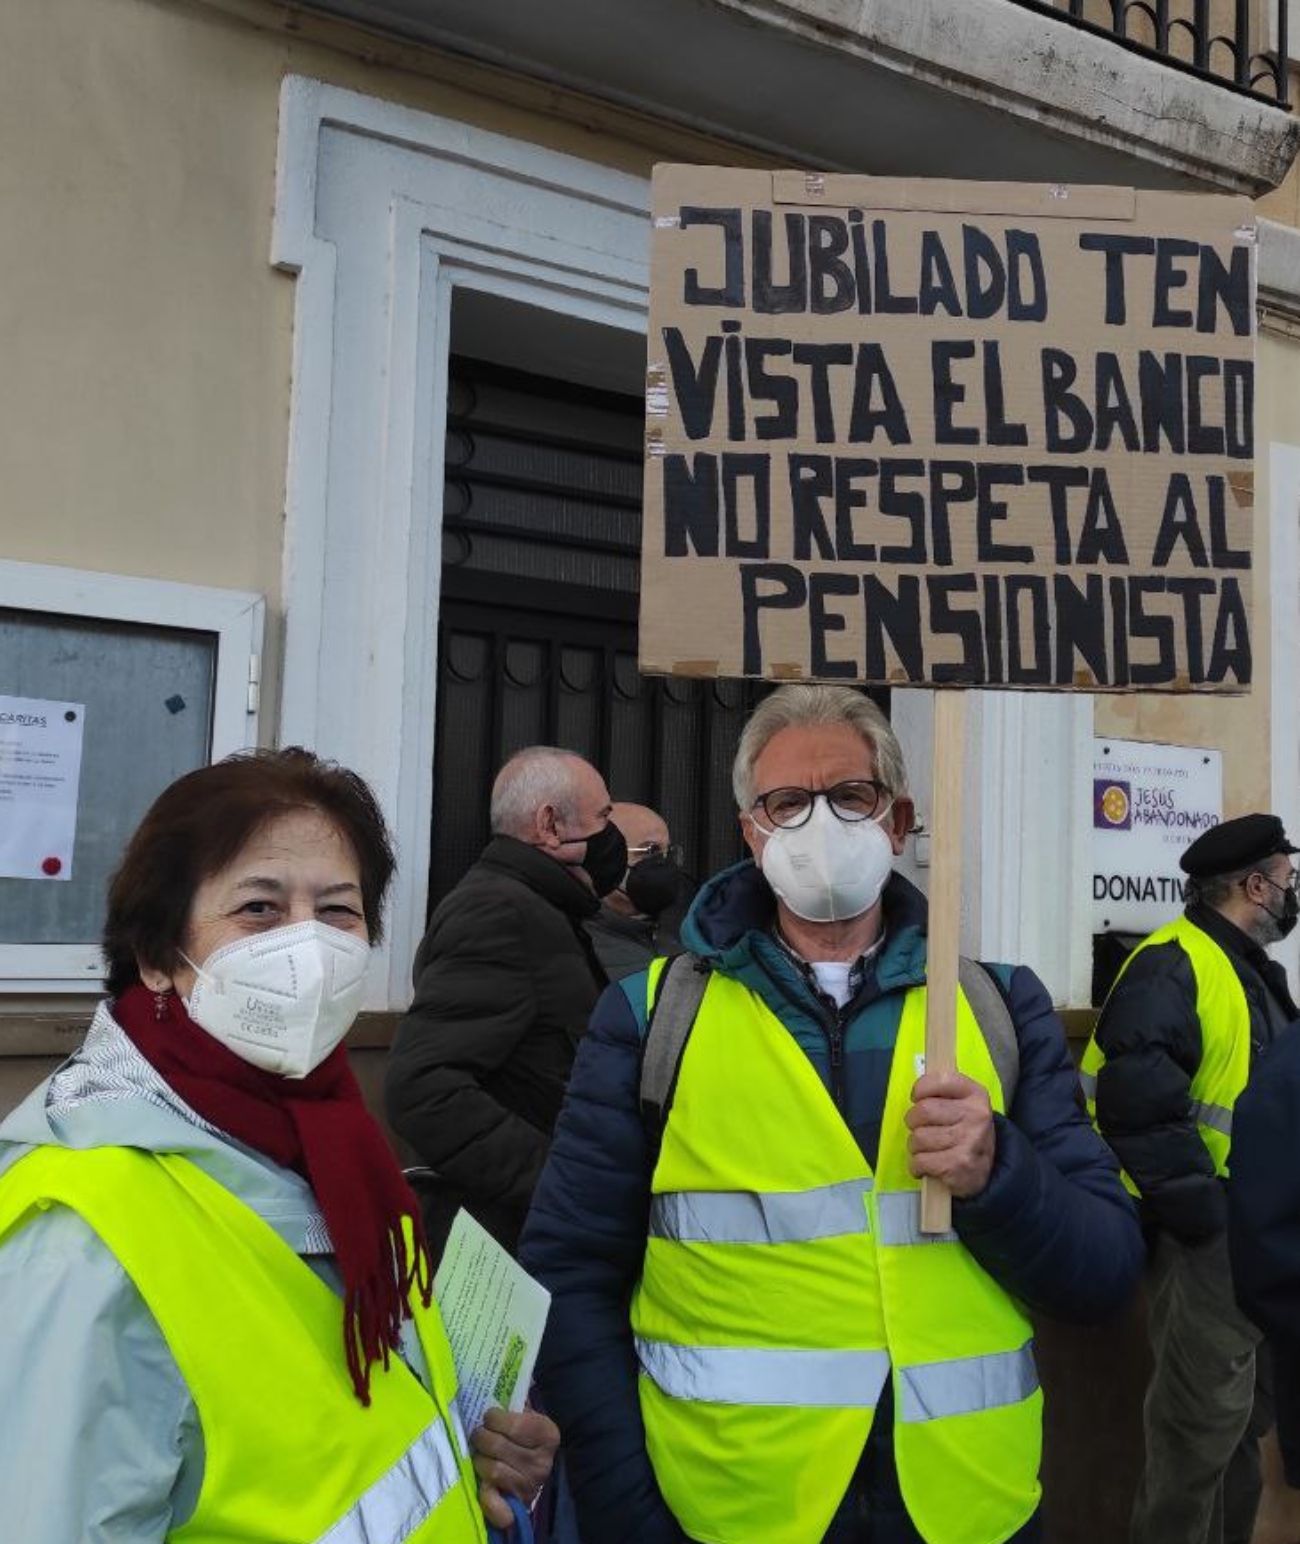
(1215, 889)
(802, 704)
(534, 776)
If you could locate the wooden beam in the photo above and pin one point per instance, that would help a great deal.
(945, 919)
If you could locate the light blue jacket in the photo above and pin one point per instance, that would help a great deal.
(99, 1440)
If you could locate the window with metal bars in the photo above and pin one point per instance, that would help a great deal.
(1242, 44)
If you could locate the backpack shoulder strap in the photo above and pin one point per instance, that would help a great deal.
(994, 1019)
(682, 984)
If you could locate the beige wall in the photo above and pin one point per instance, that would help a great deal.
(146, 340)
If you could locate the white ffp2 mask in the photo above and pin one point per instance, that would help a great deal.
(282, 1000)
(828, 869)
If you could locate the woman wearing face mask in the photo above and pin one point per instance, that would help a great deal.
(214, 1286)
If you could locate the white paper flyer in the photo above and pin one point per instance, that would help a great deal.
(494, 1313)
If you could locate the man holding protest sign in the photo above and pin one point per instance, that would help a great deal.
(783, 1273)
(903, 433)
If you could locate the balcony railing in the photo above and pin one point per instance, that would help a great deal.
(1216, 39)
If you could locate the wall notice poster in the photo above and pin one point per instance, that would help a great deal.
(1149, 804)
(40, 770)
(948, 433)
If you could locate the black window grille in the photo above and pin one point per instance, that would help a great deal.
(1221, 40)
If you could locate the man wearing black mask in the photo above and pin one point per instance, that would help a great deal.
(505, 981)
(636, 922)
(1193, 1009)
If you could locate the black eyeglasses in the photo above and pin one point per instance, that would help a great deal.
(790, 807)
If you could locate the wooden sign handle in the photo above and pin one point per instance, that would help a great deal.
(945, 919)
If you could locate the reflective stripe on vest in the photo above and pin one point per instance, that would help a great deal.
(400, 1501)
(744, 1375)
(748, 1375)
(899, 1212)
(782, 1282)
(788, 1216)
(1215, 1116)
(933, 1390)
(1224, 1017)
(771, 1217)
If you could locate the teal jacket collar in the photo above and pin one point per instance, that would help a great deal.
(730, 923)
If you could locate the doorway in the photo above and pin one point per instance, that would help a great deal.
(538, 622)
(540, 583)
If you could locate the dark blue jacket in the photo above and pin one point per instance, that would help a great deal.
(1264, 1222)
(1054, 1225)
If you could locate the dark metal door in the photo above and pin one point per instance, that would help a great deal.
(537, 626)
(510, 677)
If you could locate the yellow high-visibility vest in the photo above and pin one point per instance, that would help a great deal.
(289, 1453)
(1221, 1007)
(784, 1281)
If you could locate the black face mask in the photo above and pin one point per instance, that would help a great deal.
(652, 884)
(1290, 908)
(605, 859)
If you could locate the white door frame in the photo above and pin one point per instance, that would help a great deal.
(380, 212)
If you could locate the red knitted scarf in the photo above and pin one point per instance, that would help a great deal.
(319, 1126)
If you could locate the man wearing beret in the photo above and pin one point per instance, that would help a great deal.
(1194, 1006)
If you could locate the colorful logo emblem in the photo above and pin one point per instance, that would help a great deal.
(1112, 805)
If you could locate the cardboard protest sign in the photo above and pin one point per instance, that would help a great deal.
(948, 433)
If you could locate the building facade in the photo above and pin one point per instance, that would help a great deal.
(324, 332)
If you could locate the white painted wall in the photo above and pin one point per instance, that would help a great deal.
(1284, 684)
(382, 211)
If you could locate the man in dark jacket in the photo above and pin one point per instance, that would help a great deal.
(635, 921)
(750, 1335)
(505, 981)
(1264, 1224)
(1171, 1056)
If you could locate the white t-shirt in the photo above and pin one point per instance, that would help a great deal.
(833, 979)
(840, 979)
